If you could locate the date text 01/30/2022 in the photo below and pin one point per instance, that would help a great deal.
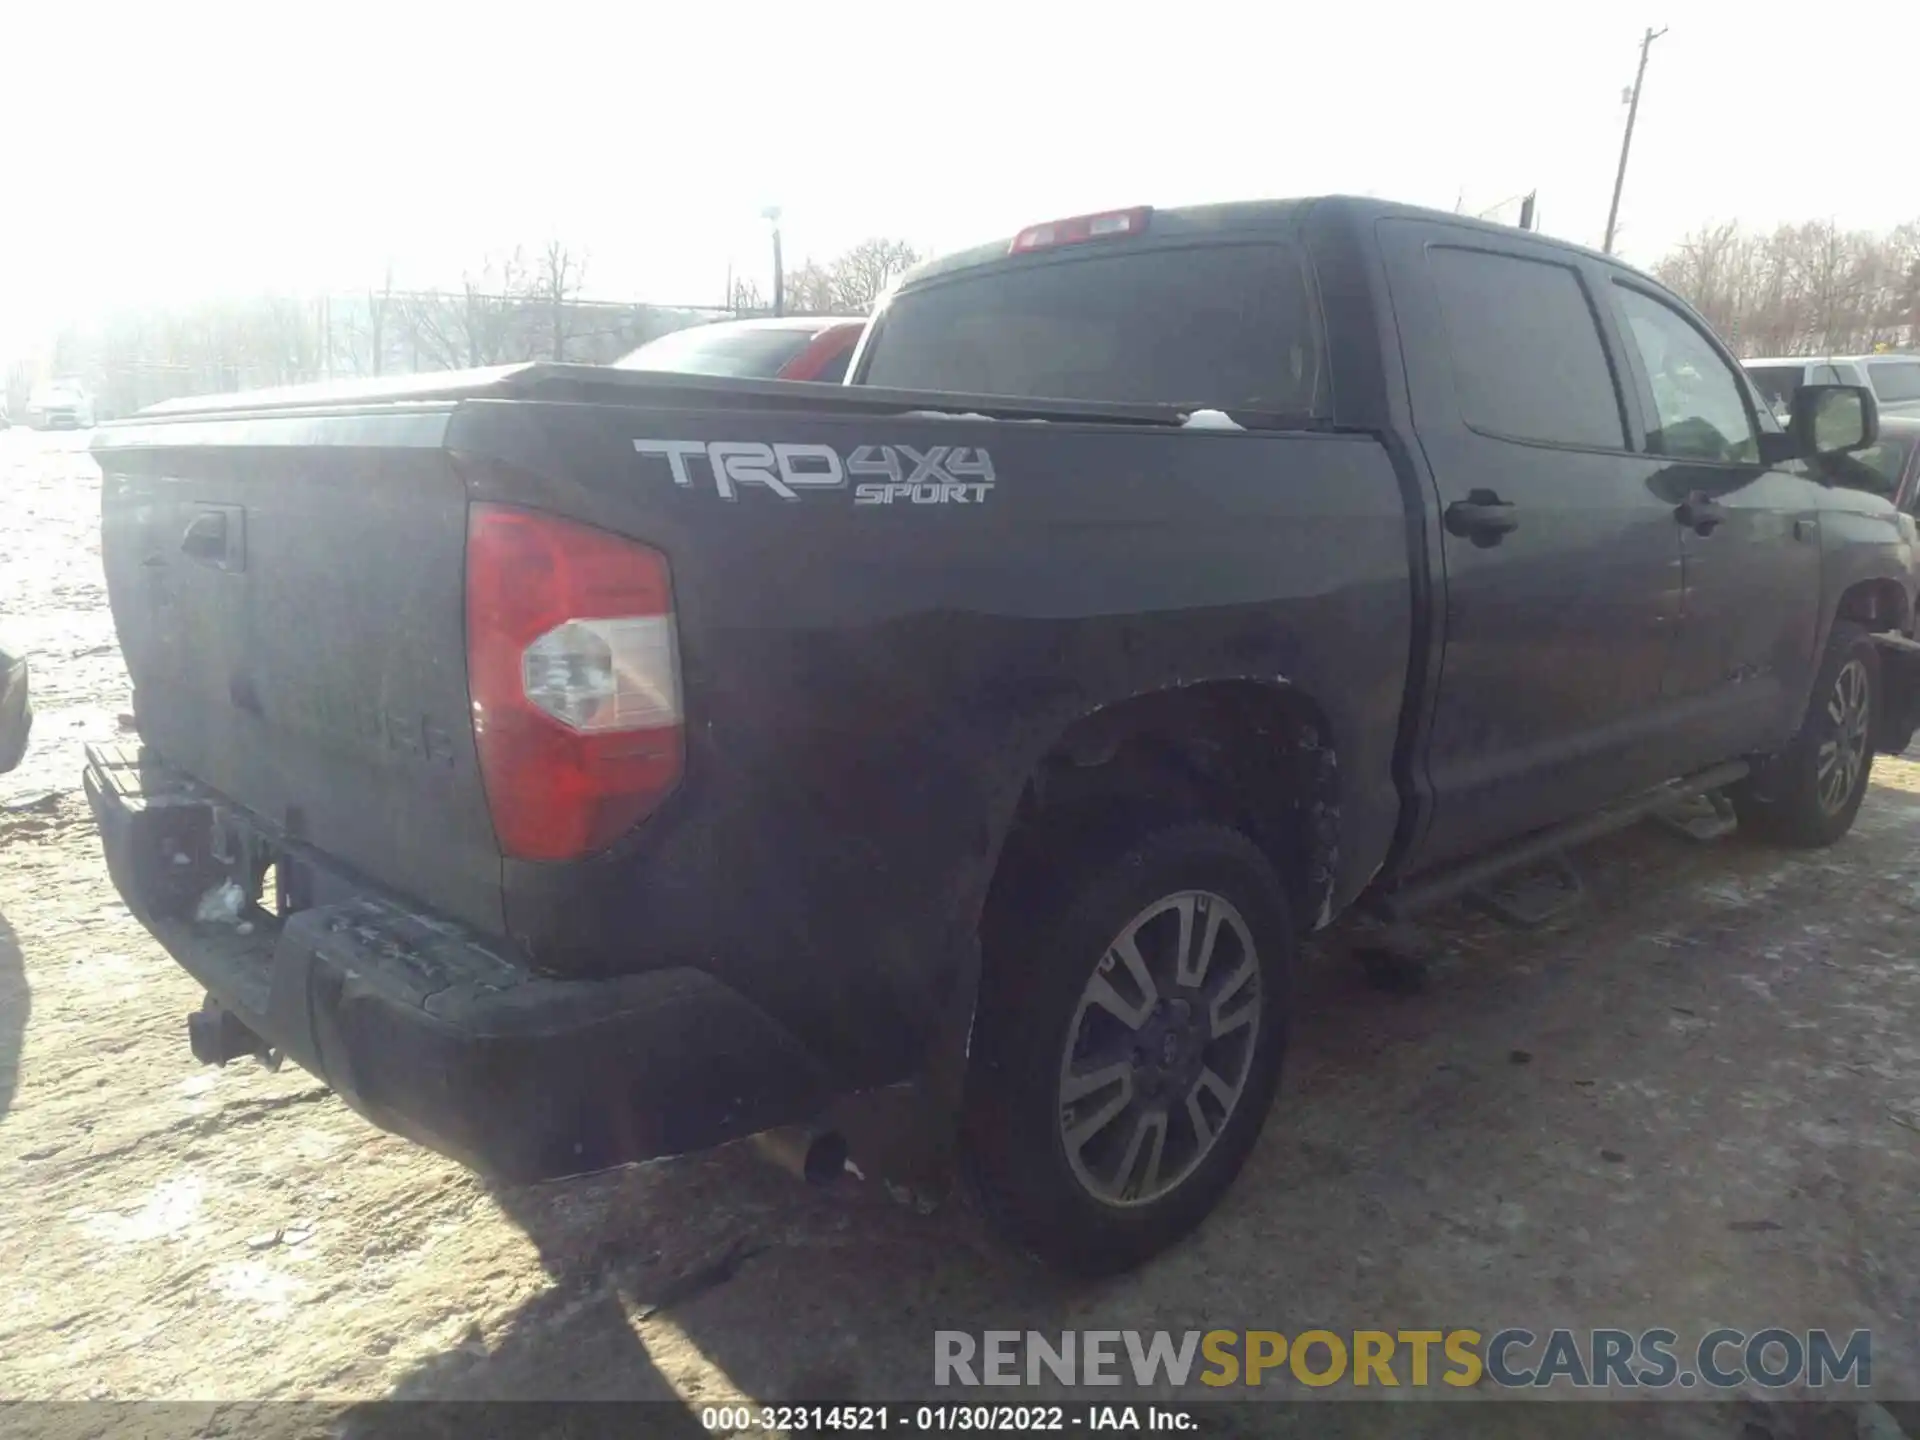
(995, 1419)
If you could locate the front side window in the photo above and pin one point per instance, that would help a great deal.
(1700, 412)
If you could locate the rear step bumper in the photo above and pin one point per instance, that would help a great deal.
(419, 1025)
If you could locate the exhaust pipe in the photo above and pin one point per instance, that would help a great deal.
(217, 1036)
(818, 1157)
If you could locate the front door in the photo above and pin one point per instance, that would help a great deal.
(1750, 536)
(1562, 565)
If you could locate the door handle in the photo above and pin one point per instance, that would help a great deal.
(206, 537)
(1699, 512)
(1483, 517)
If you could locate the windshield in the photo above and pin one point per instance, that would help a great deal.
(741, 351)
(1229, 327)
(1895, 381)
(1776, 384)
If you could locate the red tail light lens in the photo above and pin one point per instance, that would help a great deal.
(575, 678)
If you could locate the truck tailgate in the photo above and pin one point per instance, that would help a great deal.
(288, 594)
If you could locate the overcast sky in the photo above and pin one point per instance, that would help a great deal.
(167, 151)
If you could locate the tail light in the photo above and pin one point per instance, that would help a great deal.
(1107, 225)
(575, 678)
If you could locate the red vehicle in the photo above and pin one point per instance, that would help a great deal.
(790, 347)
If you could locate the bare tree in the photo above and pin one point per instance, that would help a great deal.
(379, 311)
(809, 289)
(556, 283)
(862, 275)
(1802, 289)
(747, 299)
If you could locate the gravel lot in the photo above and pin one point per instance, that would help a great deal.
(1694, 1102)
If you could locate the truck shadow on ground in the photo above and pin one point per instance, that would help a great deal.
(722, 1261)
(1407, 1127)
(16, 1004)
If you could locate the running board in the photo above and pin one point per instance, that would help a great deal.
(1545, 844)
(1555, 889)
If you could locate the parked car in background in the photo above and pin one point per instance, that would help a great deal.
(60, 405)
(793, 347)
(1894, 379)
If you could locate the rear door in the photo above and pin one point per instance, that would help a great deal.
(1750, 535)
(1562, 565)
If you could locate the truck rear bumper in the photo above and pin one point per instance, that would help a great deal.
(421, 1026)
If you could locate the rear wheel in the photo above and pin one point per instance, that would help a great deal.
(1128, 1048)
(1807, 795)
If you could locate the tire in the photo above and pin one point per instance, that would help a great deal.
(1806, 796)
(1131, 1185)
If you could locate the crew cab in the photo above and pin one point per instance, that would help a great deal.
(575, 766)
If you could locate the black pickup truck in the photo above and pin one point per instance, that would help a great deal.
(575, 766)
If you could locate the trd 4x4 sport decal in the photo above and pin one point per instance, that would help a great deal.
(938, 475)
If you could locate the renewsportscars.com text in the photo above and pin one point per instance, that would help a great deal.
(1657, 1359)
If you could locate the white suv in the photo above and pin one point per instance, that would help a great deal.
(1894, 379)
(60, 405)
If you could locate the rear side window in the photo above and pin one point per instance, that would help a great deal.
(1229, 327)
(1527, 359)
(1895, 381)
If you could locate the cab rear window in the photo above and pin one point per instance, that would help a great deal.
(1229, 327)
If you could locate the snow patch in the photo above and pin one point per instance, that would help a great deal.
(170, 1208)
(1210, 420)
(221, 905)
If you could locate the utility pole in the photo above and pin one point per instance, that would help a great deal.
(1626, 140)
(772, 214)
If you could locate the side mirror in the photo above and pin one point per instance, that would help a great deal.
(1833, 419)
